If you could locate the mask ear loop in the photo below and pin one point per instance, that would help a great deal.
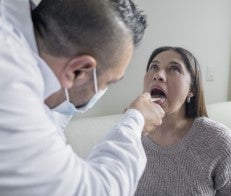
(95, 79)
(95, 84)
(67, 94)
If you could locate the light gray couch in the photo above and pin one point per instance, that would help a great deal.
(83, 133)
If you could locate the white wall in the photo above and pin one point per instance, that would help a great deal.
(229, 86)
(201, 26)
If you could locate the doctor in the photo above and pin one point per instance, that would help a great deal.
(62, 56)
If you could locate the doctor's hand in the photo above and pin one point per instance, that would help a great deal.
(151, 111)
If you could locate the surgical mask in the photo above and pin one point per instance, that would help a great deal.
(69, 109)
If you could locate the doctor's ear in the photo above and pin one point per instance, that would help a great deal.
(77, 69)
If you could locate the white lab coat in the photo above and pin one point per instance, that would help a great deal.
(34, 159)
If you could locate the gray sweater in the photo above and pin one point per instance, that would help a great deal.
(200, 164)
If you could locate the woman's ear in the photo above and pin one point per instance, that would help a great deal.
(77, 69)
(190, 94)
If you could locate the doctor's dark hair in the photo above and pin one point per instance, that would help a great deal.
(196, 107)
(95, 27)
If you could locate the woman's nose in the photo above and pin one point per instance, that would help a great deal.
(159, 76)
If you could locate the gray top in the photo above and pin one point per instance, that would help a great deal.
(199, 164)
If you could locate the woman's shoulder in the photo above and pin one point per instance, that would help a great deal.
(213, 132)
(212, 125)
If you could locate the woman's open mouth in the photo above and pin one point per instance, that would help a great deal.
(159, 95)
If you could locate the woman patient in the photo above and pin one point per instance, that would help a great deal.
(188, 154)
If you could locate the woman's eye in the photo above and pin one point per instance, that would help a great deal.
(175, 68)
(153, 67)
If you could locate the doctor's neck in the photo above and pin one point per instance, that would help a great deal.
(57, 65)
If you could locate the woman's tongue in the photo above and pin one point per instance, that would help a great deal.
(159, 99)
